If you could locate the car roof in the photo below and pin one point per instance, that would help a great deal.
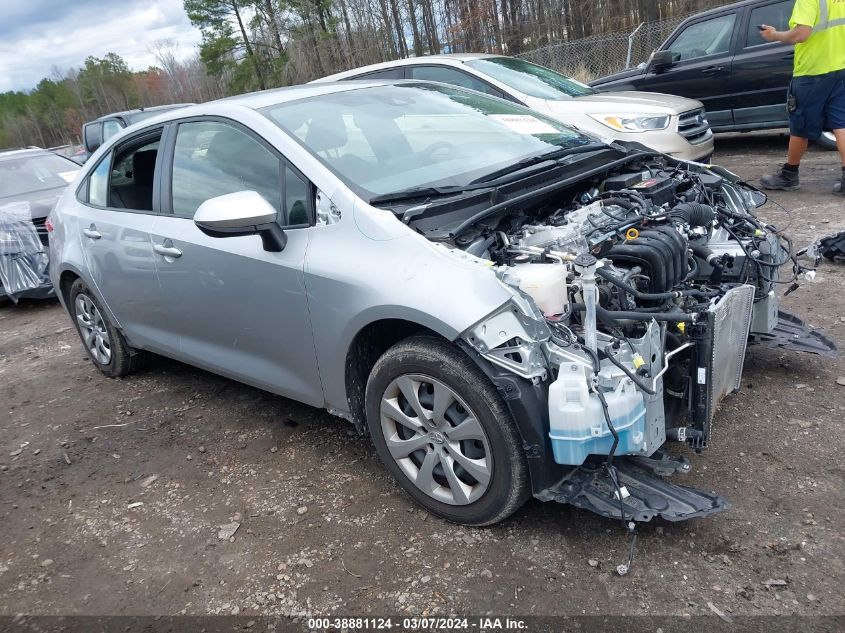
(9, 154)
(129, 113)
(408, 61)
(275, 96)
(724, 8)
(272, 97)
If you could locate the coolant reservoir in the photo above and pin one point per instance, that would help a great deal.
(546, 284)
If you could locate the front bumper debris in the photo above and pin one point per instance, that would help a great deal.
(793, 334)
(589, 487)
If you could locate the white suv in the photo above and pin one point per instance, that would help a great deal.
(673, 125)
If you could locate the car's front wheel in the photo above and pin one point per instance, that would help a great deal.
(444, 433)
(103, 342)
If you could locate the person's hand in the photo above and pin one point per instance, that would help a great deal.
(768, 33)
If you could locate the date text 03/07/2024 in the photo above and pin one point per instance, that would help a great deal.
(486, 623)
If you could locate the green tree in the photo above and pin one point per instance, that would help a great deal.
(107, 83)
(224, 33)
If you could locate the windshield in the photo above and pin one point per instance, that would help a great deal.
(531, 79)
(392, 138)
(37, 172)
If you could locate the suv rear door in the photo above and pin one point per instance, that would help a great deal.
(703, 53)
(762, 70)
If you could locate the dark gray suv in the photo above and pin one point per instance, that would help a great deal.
(719, 58)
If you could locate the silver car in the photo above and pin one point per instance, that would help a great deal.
(506, 306)
(673, 125)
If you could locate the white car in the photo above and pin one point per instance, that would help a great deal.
(673, 125)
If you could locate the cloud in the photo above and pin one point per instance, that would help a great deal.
(39, 35)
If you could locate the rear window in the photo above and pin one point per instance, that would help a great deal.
(38, 172)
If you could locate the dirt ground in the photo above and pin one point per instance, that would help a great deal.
(112, 492)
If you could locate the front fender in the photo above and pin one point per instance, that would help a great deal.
(370, 267)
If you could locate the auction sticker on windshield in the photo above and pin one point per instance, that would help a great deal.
(525, 124)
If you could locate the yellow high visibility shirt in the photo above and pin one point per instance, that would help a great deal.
(824, 51)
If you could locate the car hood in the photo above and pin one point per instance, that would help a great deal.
(40, 202)
(635, 102)
(625, 74)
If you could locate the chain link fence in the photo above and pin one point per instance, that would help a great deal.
(599, 55)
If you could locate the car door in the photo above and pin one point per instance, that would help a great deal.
(236, 309)
(702, 53)
(762, 70)
(116, 215)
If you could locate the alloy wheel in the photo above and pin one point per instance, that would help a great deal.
(436, 439)
(95, 336)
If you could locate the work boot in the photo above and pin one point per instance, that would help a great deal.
(839, 187)
(784, 179)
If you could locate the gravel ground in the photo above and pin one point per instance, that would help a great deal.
(175, 491)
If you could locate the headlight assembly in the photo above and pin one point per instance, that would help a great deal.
(633, 122)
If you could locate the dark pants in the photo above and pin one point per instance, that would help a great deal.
(819, 104)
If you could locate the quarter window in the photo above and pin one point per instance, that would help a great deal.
(451, 76)
(709, 37)
(98, 183)
(296, 199)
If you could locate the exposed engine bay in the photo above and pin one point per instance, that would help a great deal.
(645, 287)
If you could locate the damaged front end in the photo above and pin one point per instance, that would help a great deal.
(635, 296)
(23, 257)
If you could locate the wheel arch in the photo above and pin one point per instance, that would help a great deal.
(366, 347)
(67, 276)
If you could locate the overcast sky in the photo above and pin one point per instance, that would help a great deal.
(36, 35)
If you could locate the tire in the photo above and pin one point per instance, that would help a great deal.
(429, 463)
(827, 141)
(103, 342)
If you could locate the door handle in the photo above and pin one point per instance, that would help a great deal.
(712, 70)
(92, 232)
(167, 251)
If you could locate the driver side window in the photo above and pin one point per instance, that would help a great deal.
(709, 37)
(212, 159)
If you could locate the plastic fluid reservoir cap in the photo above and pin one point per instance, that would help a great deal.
(585, 260)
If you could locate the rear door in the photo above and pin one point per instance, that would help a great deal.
(762, 70)
(116, 215)
(235, 308)
(703, 53)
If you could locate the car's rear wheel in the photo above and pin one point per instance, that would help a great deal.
(827, 140)
(443, 432)
(105, 345)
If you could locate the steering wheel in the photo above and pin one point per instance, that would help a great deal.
(436, 147)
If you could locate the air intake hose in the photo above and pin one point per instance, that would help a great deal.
(694, 213)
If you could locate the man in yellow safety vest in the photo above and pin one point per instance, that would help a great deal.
(816, 100)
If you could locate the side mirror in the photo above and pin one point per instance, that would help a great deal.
(241, 213)
(661, 60)
(92, 136)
